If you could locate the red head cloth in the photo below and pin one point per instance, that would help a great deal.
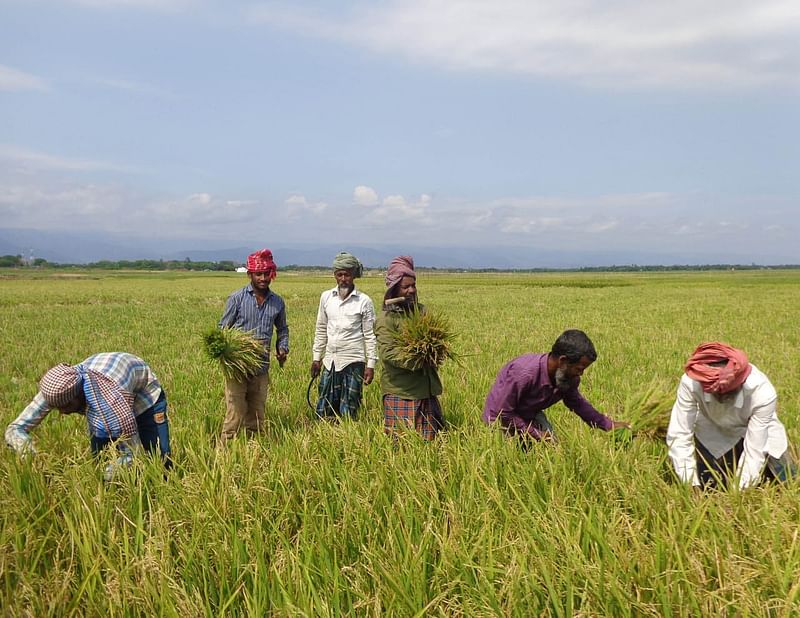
(60, 385)
(722, 379)
(399, 267)
(261, 262)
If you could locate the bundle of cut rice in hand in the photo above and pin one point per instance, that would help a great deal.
(648, 410)
(240, 355)
(424, 339)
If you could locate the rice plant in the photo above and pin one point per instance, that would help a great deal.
(648, 410)
(424, 339)
(311, 519)
(239, 354)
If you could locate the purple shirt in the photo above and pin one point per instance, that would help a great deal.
(523, 388)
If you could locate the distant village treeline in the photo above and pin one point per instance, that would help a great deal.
(18, 261)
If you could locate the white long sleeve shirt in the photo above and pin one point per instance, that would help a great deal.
(344, 333)
(751, 413)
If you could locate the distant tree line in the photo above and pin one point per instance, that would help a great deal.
(623, 268)
(17, 261)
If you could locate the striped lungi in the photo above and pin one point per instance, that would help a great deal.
(424, 415)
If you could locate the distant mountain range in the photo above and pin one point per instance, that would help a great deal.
(77, 248)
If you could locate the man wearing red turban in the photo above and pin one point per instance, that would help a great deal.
(258, 310)
(725, 421)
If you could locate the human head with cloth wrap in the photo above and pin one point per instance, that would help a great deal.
(724, 423)
(346, 268)
(719, 368)
(401, 281)
(62, 389)
(262, 270)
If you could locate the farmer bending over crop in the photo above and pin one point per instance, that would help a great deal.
(344, 341)
(256, 309)
(117, 392)
(409, 392)
(725, 422)
(529, 384)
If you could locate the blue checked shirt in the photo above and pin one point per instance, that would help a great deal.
(129, 372)
(242, 311)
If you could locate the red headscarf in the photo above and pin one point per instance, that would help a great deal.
(399, 267)
(261, 262)
(718, 380)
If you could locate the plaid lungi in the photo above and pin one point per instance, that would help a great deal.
(340, 391)
(424, 415)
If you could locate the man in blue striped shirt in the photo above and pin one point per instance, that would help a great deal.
(117, 392)
(257, 310)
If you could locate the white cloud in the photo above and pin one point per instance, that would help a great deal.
(396, 209)
(13, 80)
(161, 6)
(132, 87)
(298, 207)
(202, 199)
(599, 227)
(365, 196)
(49, 199)
(197, 214)
(535, 225)
(684, 44)
(394, 201)
(53, 208)
(24, 159)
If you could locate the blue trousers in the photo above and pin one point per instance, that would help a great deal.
(153, 428)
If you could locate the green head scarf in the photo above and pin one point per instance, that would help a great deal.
(349, 262)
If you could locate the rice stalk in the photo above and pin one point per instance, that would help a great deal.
(648, 410)
(424, 339)
(240, 354)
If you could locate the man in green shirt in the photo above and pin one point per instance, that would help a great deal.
(409, 395)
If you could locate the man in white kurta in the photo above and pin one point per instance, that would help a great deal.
(345, 349)
(725, 419)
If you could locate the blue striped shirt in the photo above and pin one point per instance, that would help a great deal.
(242, 311)
(129, 372)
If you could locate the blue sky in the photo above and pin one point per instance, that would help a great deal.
(577, 125)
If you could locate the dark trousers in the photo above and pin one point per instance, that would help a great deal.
(715, 472)
(153, 428)
(540, 423)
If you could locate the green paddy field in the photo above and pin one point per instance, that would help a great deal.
(312, 519)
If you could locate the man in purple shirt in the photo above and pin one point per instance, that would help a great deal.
(529, 384)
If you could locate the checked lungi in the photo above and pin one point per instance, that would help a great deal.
(424, 415)
(340, 391)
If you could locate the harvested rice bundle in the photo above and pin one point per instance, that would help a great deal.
(648, 410)
(424, 339)
(240, 355)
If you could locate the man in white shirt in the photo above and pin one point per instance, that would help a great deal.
(724, 422)
(345, 349)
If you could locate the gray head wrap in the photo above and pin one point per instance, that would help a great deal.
(349, 262)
